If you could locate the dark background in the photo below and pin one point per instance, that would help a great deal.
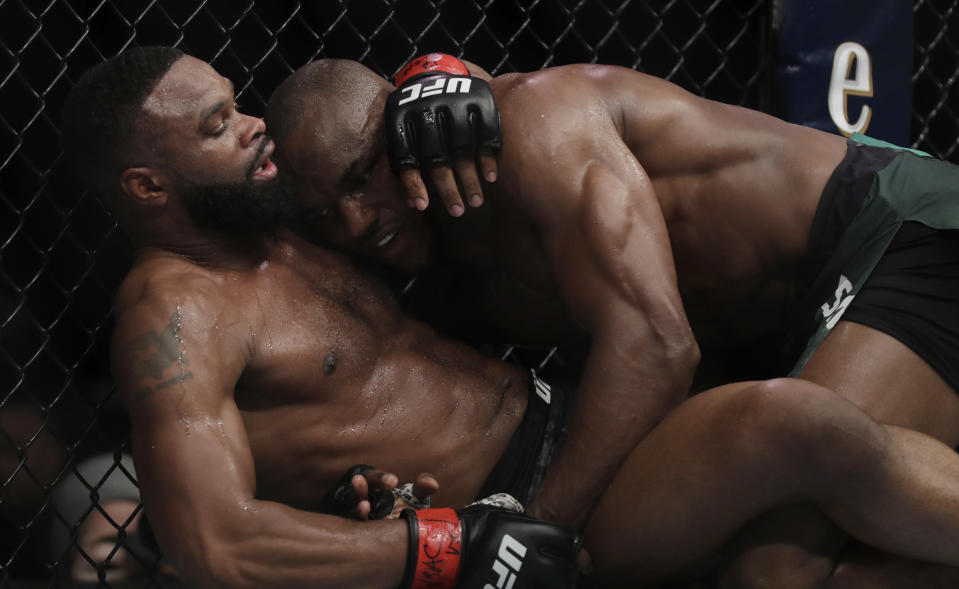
(61, 256)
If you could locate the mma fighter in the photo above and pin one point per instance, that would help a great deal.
(664, 225)
(256, 367)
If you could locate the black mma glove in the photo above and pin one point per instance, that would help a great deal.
(341, 500)
(484, 546)
(439, 113)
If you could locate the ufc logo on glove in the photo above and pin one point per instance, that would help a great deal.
(511, 552)
(452, 86)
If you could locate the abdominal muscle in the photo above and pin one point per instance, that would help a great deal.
(423, 404)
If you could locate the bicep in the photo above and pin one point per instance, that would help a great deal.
(188, 439)
(612, 259)
(566, 165)
(608, 241)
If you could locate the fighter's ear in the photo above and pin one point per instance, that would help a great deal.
(146, 186)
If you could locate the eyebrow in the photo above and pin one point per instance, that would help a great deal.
(350, 175)
(356, 168)
(216, 107)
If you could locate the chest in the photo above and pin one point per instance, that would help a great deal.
(315, 324)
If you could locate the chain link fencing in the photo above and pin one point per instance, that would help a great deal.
(62, 257)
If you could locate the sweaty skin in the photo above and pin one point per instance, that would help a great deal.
(736, 189)
(602, 162)
(319, 390)
(601, 196)
(256, 369)
(655, 215)
(736, 192)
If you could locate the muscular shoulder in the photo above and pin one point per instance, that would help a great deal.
(551, 88)
(175, 322)
(540, 111)
(161, 284)
(556, 123)
(177, 298)
(578, 84)
(640, 106)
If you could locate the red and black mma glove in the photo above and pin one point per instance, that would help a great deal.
(439, 113)
(484, 546)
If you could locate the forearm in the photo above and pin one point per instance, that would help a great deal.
(623, 394)
(267, 544)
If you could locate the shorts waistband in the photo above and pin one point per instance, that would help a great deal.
(535, 443)
(841, 201)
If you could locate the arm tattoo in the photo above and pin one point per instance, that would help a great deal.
(156, 353)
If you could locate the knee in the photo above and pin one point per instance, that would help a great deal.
(801, 421)
(780, 408)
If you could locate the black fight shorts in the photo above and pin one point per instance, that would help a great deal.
(534, 445)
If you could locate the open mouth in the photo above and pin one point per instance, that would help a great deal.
(387, 239)
(387, 243)
(265, 169)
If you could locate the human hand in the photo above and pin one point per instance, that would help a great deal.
(363, 492)
(441, 122)
(415, 495)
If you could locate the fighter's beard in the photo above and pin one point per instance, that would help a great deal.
(247, 208)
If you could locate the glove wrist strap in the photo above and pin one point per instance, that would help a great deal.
(435, 548)
(428, 64)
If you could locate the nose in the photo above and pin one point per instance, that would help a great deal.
(251, 128)
(357, 216)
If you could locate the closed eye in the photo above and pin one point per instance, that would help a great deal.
(359, 173)
(224, 123)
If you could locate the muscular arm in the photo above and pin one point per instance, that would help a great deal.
(176, 360)
(606, 239)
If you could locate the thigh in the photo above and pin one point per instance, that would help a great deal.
(886, 379)
(713, 464)
(894, 354)
(638, 532)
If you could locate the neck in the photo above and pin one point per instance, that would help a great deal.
(212, 249)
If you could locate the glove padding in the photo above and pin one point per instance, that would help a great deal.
(484, 547)
(439, 113)
(341, 499)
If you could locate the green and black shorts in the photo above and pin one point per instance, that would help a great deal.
(884, 252)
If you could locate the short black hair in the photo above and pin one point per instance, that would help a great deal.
(104, 110)
(310, 88)
(291, 97)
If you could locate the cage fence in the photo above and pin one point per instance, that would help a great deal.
(62, 257)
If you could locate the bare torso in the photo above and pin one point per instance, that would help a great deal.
(335, 376)
(738, 189)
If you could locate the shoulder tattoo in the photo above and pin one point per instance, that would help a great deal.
(155, 353)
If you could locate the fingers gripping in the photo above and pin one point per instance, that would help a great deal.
(346, 498)
(439, 115)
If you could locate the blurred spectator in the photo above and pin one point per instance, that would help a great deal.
(100, 497)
